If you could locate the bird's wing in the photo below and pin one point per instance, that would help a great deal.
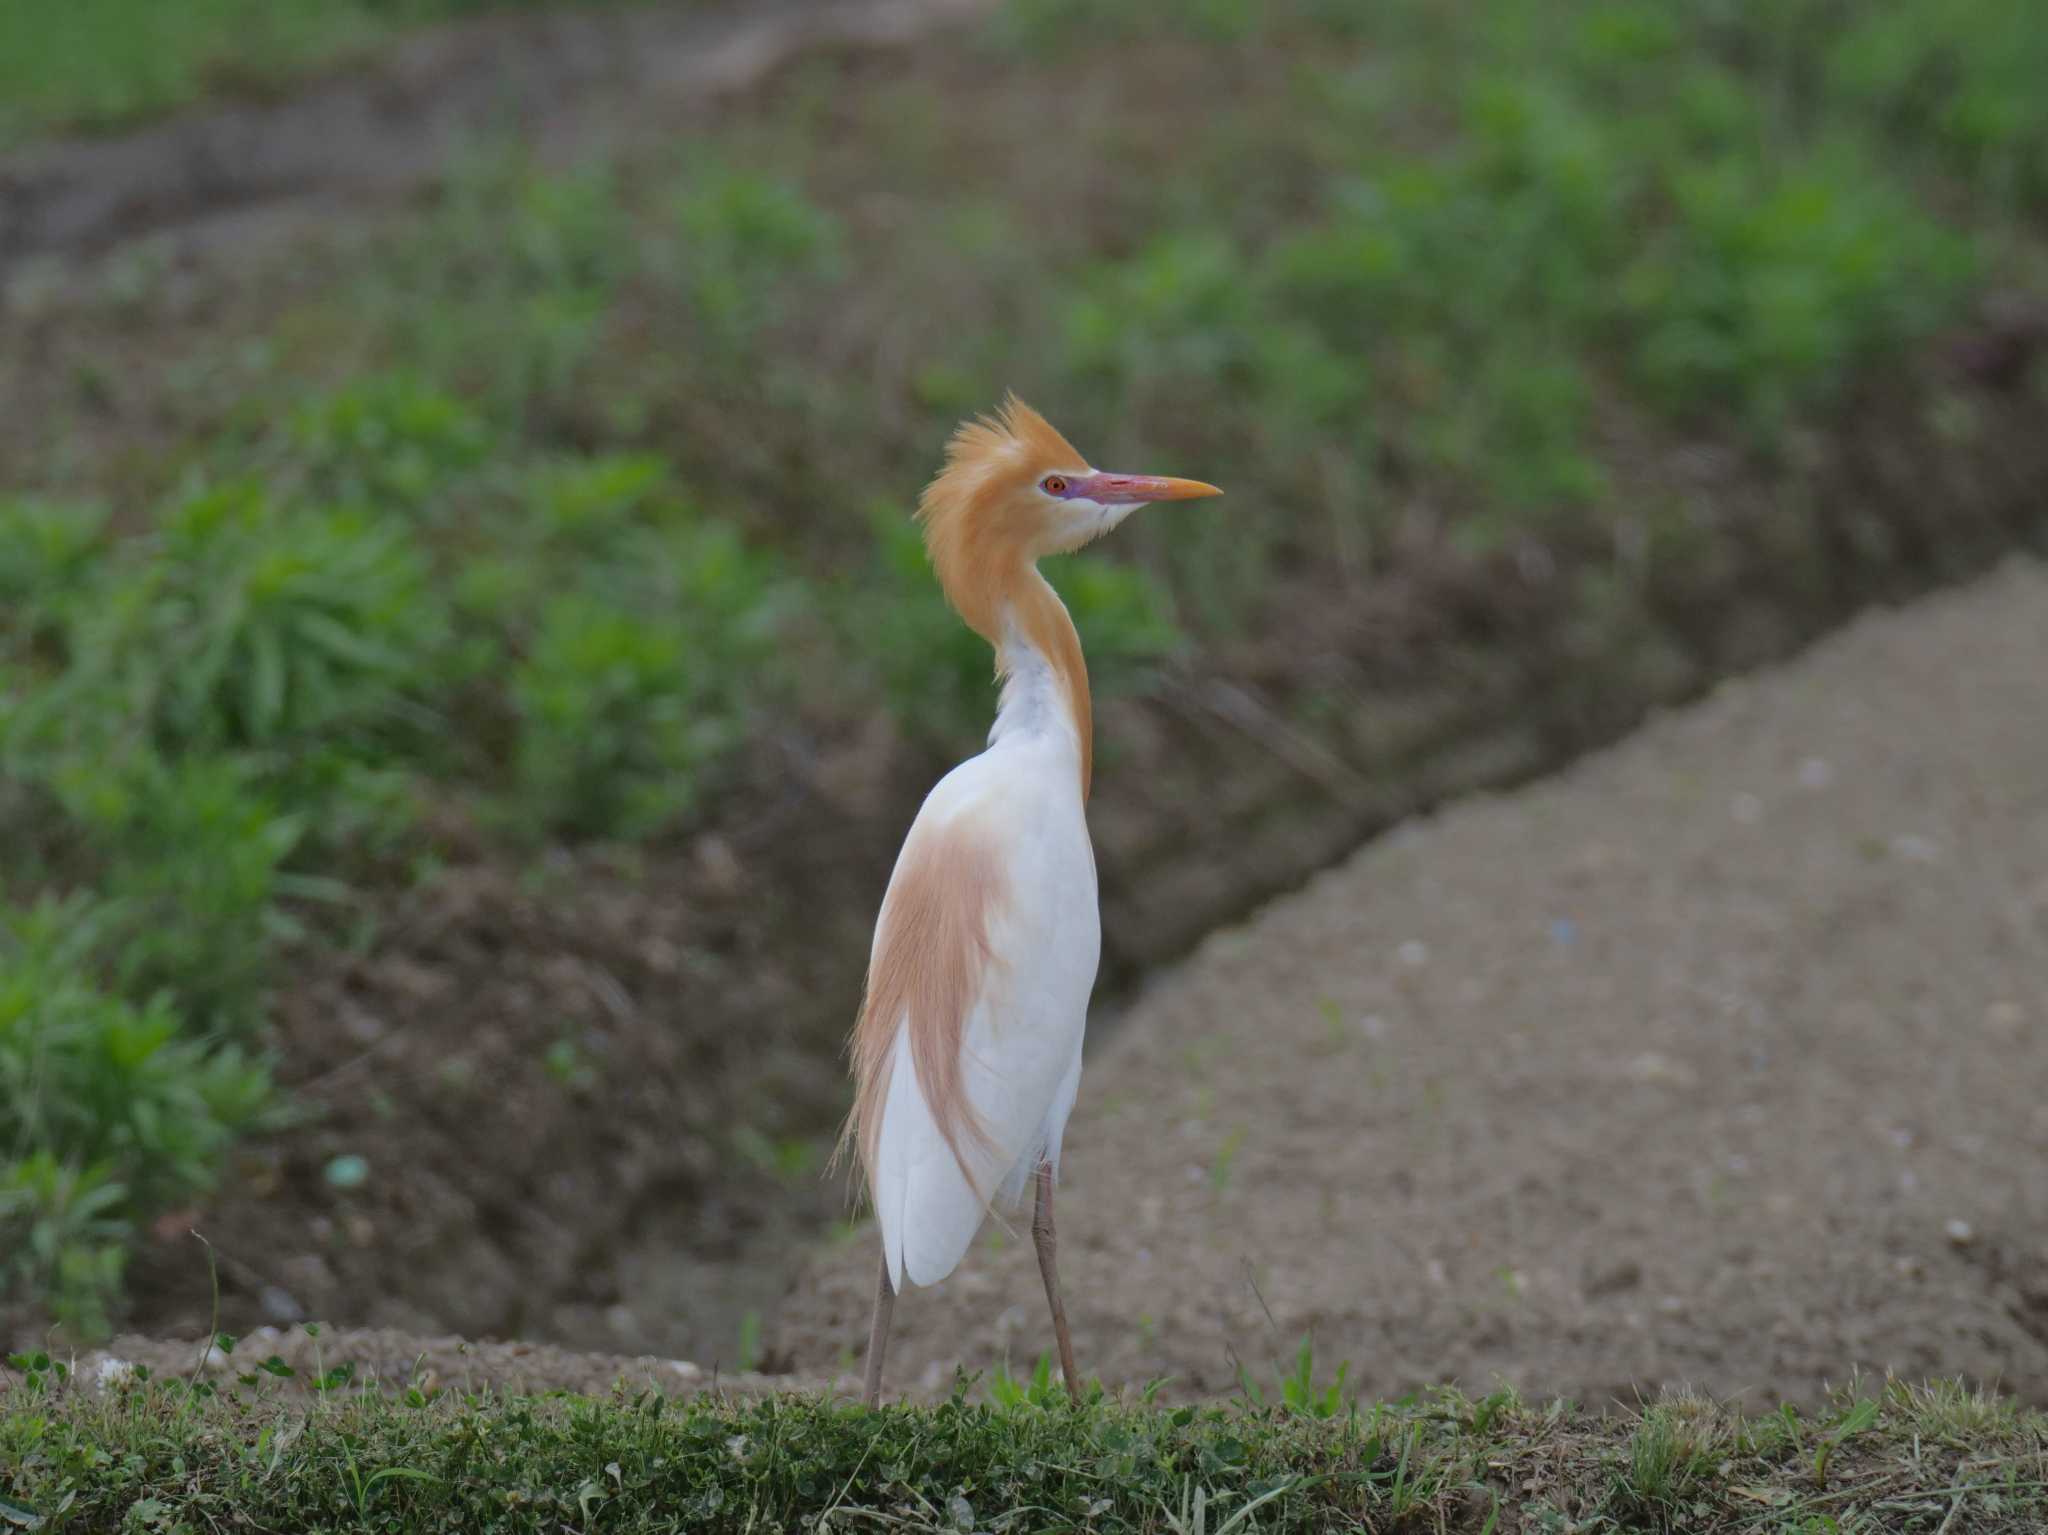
(976, 1001)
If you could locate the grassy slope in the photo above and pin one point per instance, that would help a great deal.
(580, 483)
(160, 1457)
(101, 64)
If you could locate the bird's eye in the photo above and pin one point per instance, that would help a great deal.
(1053, 485)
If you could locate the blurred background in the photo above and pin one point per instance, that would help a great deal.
(466, 663)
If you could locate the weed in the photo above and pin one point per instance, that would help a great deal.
(1039, 1392)
(1299, 1392)
(49, 559)
(111, 1113)
(99, 62)
(1948, 1411)
(1670, 1451)
(744, 239)
(244, 625)
(1192, 1517)
(566, 1063)
(190, 857)
(1225, 1159)
(789, 1159)
(388, 440)
(1860, 1416)
(1772, 285)
(630, 687)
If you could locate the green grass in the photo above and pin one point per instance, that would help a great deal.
(551, 499)
(97, 64)
(257, 1453)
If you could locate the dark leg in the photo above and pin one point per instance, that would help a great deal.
(1043, 1238)
(878, 1334)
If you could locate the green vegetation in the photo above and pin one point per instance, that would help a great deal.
(102, 63)
(113, 1109)
(220, 731)
(550, 500)
(175, 1456)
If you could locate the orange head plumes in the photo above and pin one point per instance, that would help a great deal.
(1012, 490)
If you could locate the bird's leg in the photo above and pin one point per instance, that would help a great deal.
(1046, 1241)
(878, 1333)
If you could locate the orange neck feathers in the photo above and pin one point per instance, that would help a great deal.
(985, 538)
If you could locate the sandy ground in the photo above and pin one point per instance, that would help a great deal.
(1721, 1058)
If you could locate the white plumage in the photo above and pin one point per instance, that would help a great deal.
(1021, 1047)
(967, 1051)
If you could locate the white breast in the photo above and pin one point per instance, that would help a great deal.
(1021, 1045)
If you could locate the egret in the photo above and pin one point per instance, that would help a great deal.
(966, 1053)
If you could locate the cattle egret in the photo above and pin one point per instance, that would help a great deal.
(967, 1052)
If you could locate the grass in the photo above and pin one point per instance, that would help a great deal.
(262, 1452)
(550, 500)
(100, 64)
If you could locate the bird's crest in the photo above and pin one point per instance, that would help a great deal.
(1013, 446)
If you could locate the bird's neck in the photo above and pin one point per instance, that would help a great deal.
(1038, 656)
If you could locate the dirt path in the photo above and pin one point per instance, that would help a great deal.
(1722, 1057)
(562, 83)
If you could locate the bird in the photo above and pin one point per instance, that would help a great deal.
(966, 1051)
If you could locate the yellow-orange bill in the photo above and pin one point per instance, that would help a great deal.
(1124, 489)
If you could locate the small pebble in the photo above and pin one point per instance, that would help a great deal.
(1414, 953)
(1960, 1232)
(1816, 773)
